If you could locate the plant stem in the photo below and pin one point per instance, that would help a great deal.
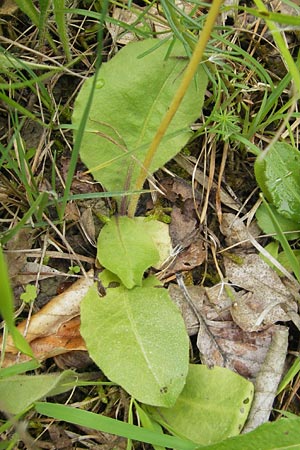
(186, 80)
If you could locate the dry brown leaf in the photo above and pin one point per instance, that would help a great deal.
(16, 255)
(8, 8)
(66, 339)
(183, 229)
(182, 225)
(243, 352)
(54, 318)
(88, 225)
(75, 359)
(221, 341)
(193, 256)
(176, 189)
(72, 213)
(59, 438)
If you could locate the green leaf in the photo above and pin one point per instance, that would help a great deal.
(126, 249)
(138, 339)
(285, 260)
(30, 293)
(134, 90)
(18, 392)
(277, 173)
(213, 406)
(159, 232)
(289, 227)
(280, 435)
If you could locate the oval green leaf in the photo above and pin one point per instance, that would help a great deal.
(126, 248)
(133, 93)
(277, 173)
(138, 339)
(213, 406)
(290, 228)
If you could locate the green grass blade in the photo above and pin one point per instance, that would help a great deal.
(18, 369)
(99, 195)
(268, 104)
(112, 426)
(281, 44)
(27, 6)
(60, 19)
(81, 129)
(5, 237)
(284, 19)
(15, 105)
(6, 304)
(27, 83)
(291, 373)
(29, 9)
(43, 17)
(95, 15)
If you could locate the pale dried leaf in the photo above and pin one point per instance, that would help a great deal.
(197, 294)
(72, 213)
(263, 299)
(268, 379)
(33, 270)
(236, 232)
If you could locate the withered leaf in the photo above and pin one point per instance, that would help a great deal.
(263, 300)
(233, 348)
(55, 328)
